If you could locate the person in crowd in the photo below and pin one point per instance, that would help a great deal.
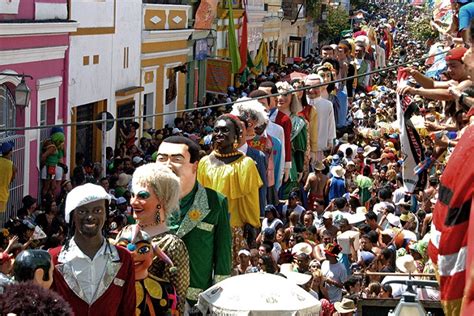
(334, 272)
(155, 195)
(202, 221)
(8, 171)
(87, 254)
(52, 164)
(315, 184)
(244, 263)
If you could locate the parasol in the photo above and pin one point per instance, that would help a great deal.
(257, 294)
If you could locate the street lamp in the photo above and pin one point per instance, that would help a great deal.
(22, 94)
(22, 91)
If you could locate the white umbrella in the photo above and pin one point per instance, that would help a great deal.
(257, 294)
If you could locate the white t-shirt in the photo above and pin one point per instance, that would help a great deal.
(273, 224)
(337, 272)
(298, 209)
(276, 251)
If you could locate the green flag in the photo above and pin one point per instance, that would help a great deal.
(233, 47)
(249, 60)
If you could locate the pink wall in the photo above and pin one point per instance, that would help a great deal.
(38, 70)
(26, 10)
(20, 42)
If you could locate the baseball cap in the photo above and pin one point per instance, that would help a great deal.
(6, 147)
(456, 54)
(176, 131)
(82, 195)
(121, 200)
(137, 159)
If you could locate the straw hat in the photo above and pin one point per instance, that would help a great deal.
(338, 171)
(407, 217)
(345, 306)
(318, 165)
(302, 247)
(368, 150)
(406, 264)
(344, 139)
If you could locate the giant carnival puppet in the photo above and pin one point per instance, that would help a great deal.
(155, 296)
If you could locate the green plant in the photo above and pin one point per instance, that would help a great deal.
(421, 30)
(337, 21)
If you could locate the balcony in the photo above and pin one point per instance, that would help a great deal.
(158, 17)
(293, 8)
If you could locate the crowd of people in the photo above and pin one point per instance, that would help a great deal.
(301, 171)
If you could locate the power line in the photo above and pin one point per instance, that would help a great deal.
(219, 104)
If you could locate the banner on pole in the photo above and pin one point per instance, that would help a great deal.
(219, 76)
(205, 14)
(410, 141)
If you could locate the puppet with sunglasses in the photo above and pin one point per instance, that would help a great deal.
(155, 296)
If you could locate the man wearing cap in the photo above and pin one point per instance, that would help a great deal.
(95, 277)
(438, 90)
(202, 221)
(334, 272)
(244, 263)
(8, 171)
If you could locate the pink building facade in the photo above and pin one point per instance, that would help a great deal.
(34, 40)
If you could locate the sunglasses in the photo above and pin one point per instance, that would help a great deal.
(142, 195)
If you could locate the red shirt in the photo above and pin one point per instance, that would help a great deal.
(118, 299)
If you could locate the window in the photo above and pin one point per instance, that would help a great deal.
(43, 112)
(7, 110)
(148, 106)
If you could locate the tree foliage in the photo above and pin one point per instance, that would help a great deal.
(421, 30)
(337, 21)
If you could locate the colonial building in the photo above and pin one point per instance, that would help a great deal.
(34, 40)
(104, 68)
(165, 52)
